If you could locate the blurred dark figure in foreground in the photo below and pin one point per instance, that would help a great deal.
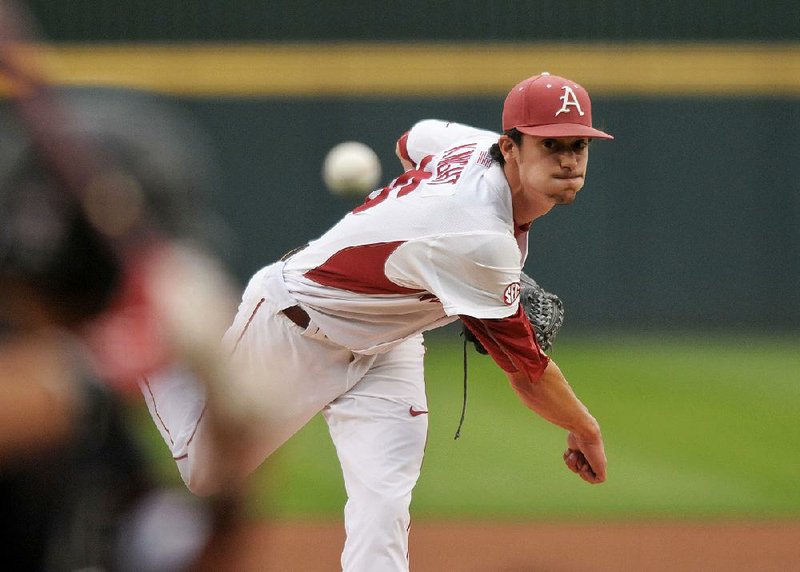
(80, 319)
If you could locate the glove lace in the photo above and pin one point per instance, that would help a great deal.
(464, 402)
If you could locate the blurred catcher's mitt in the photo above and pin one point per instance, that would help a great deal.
(544, 310)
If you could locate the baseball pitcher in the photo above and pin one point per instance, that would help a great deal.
(337, 326)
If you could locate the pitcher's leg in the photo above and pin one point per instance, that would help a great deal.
(379, 428)
(291, 375)
(176, 401)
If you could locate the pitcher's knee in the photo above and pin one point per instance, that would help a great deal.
(202, 487)
(384, 511)
(393, 509)
(199, 481)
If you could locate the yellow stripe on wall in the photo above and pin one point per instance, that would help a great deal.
(369, 69)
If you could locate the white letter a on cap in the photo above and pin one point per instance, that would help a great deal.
(569, 98)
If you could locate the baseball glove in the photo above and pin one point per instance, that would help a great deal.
(544, 310)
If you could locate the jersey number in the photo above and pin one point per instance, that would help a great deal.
(399, 187)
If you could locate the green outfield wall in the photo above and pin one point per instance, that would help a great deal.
(691, 217)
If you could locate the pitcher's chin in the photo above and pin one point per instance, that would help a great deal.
(566, 197)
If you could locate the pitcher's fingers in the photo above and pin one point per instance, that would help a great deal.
(598, 465)
(588, 475)
(571, 458)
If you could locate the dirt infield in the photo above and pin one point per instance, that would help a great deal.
(475, 547)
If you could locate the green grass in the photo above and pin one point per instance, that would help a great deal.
(706, 427)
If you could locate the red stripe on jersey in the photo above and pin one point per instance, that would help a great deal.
(511, 343)
(360, 269)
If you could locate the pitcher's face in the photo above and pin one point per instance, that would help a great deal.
(545, 171)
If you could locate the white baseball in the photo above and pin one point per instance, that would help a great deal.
(351, 169)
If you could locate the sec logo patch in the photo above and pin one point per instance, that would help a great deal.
(511, 293)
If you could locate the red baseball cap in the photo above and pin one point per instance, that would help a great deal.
(550, 106)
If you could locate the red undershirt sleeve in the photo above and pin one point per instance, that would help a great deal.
(402, 146)
(511, 343)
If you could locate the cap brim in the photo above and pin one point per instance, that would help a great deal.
(564, 130)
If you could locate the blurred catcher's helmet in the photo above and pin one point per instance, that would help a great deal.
(149, 173)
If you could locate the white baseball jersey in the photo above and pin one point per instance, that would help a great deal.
(438, 242)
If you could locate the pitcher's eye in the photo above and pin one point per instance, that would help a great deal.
(580, 145)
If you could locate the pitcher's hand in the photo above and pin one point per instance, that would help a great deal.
(586, 458)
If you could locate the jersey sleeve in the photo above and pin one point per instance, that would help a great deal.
(476, 273)
(511, 343)
(431, 136)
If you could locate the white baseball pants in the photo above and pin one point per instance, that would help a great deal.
(371, 404)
